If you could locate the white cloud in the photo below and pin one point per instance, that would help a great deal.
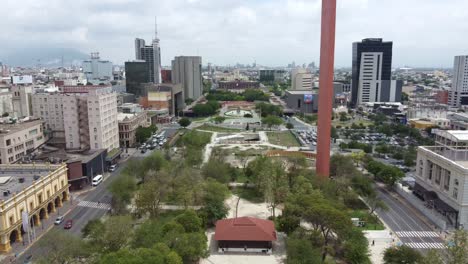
(272, 32)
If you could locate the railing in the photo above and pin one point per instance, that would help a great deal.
(451, 153)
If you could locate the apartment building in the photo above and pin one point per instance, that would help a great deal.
(442, 177)
(20, 139)
(21, 100)
(86, 116)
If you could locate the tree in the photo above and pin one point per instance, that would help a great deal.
(6, 114)
(122, 190)
(432, 257)
(111, 236)
(271, 121)
(158, 254)
(375, 202)
(219, 119)
(356, 248)
(143, 133)
(402, 254)
(342, 166)
(458, 247)
(153, 192)
(189, 101)
(214, 195)
(216, 169)
(61, 247)
(299, 251)
(184, 122)
(289, 125)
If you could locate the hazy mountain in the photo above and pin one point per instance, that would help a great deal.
(48, 57)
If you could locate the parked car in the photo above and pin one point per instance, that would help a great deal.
(68, 224)
(58, 220)
(112, 167)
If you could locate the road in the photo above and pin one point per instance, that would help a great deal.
(407, 223)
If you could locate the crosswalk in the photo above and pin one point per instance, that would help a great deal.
(425, 245)
(103, 206)
(416, 234)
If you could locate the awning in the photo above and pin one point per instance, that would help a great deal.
(113, 154)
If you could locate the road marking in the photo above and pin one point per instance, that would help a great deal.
(416, 234)
(94, 205)
(425, 245)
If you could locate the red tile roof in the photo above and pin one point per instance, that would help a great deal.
(245, 229)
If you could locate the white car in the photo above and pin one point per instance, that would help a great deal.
(59, 220)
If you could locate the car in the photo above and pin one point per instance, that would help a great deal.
(58, 220)
(112, 167)
(68, 224)
(143, 150)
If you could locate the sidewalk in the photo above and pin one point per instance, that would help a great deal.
(46, 224)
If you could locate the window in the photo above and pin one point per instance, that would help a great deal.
(48, 194)
(39, 197)
(438, 174)
(431, 166)
(8, 142)
(447, 180)
(31, 206)
(11, 220)
(61, 182)
(455, 193)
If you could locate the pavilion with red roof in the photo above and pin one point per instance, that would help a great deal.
(245, 234)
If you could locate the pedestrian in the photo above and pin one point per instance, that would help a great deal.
(373, 242)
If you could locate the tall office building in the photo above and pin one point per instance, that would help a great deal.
(151, 54)
(136, 73)
(372, 73)
(187, 70)
(96, 70)
(139, 44)
(459, 91)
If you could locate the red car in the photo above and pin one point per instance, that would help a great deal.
(68, 224)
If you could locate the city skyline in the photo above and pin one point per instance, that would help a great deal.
(272, 33)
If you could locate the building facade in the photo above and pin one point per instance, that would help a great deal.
(187, 70)
(6, 102)
(128, 124)
(151, 54)
(136, 73)
(442, 177)
(301, 79)
(84, 116)
(272, 76)
(21, 100)
(35, 189)
(165, 96)
(19, 139)
(372, 73)
(459, 92)
(96, 70)
(238, 85)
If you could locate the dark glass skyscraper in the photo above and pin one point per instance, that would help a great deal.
(136, 73)
(372, 72)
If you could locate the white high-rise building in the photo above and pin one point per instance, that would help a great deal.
(85, 116)
(301, 79)
(459, 92)
(96, 70)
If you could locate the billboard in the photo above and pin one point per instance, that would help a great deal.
(308, 98)
(23, 79)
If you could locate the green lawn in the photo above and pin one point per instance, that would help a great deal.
(208, 127)
(372, 221)
(283, 138)
(249, 194)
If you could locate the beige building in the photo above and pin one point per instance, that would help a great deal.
(84, 116)
(21, 100)
(128, 124)
(301, 79)
(37, 189)
(19, 139)
(6, 102)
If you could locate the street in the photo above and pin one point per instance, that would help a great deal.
(406, 223)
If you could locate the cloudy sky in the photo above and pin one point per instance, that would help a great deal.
(272, 32)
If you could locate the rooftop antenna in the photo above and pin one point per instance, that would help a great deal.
(155, 27)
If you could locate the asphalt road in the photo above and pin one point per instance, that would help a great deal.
(407, 223)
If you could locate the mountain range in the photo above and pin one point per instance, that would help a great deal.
(44, 56)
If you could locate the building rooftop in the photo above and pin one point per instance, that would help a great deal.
(245, 229)
(122, 116)
(15, 178)
(453, 135)
(301, 92)
(6, 129)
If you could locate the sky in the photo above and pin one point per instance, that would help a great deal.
(425, 33)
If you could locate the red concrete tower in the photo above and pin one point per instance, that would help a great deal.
(327, 57)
